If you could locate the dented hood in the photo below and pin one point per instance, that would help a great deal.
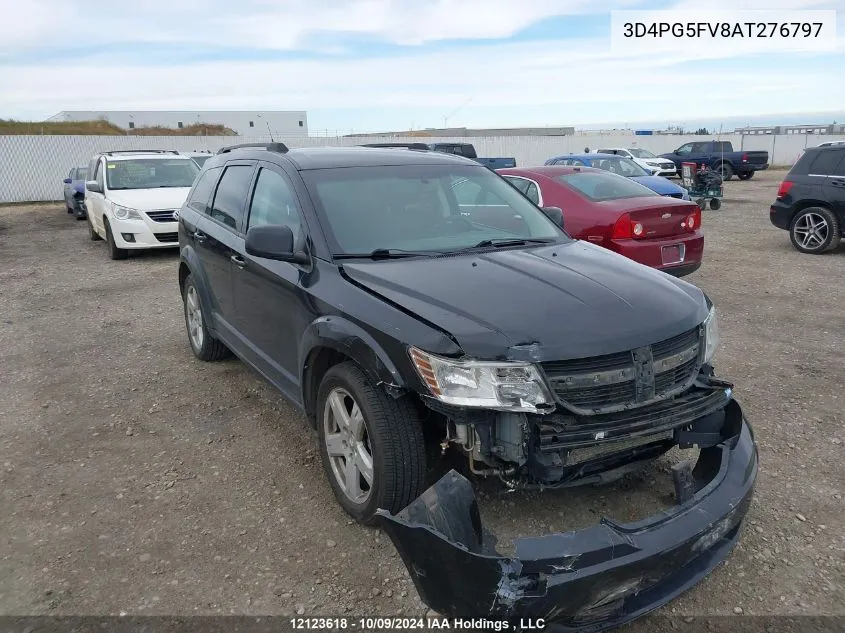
(556, 302)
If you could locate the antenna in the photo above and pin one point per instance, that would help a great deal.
(269, 131)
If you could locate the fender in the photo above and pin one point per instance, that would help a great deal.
(188, 257)
(344, 336)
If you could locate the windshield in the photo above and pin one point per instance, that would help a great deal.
(620, 165)
(600, 186)
(150, 173)
(422, 208)
(641, 153)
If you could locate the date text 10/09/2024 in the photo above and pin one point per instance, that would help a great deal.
(422, 624)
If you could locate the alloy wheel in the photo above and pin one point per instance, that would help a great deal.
(811, 231)
(193, 311)
(348, 445)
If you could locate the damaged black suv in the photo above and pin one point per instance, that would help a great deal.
(406, 298)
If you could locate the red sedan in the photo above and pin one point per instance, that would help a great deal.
(619, 214)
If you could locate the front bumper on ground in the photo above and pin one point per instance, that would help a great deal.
(78, 208)
(144, 234)
(588, 580)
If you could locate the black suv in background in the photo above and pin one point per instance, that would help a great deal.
(375, 292)
(810, 201)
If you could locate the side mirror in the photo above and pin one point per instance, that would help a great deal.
(93, 186)
(67, 181)
(555, 214)
(274, 242)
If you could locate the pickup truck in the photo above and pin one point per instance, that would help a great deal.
(466, 150)
(720, 156)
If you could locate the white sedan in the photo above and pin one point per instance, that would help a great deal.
(645, 159)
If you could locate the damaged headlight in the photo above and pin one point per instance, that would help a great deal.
(510, 386)
(711, 335)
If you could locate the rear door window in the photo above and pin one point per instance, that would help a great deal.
(826, 162)
(201, 195)
(231, 195)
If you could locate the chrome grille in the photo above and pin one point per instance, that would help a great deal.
(162, 216)
(627, 379)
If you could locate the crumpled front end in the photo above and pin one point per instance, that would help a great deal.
(586, 580)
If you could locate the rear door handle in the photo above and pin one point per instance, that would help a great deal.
(238, 261)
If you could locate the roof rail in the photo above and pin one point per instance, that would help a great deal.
(417, 146)
(141, 151)
(279, 148)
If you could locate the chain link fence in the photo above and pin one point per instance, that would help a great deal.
(32, 167)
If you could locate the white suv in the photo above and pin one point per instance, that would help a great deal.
(133, 198)
(645, 159)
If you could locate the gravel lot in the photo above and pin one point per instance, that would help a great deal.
(136, 479)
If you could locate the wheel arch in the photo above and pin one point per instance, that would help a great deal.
(189, 264)
(806, 204)
(330, 340)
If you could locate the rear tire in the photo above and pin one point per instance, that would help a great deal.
(382, 438)
(715, 204)
(204, 346)
(745, 175)
(725, 171)
(815, 230)
(114, 251)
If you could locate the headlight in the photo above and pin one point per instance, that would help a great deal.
(711, 335)
(509, 386)
(125, 213)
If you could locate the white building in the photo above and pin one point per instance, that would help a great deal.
(243, 122)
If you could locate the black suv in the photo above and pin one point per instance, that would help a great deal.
(811, 200)
(408, 299)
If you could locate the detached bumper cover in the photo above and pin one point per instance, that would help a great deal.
(588, 580)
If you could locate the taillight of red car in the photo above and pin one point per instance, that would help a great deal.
(626, 228)
(693, 221)
(784, 189)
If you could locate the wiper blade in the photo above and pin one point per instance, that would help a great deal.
(386, 253)
(511, 241)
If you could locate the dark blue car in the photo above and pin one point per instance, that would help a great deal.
(624, 167)
(75, 192)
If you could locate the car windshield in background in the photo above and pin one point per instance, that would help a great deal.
(600, 187)
(620, 165)
(80, 173)
(641, 153)
(423, 208)
(150, 173)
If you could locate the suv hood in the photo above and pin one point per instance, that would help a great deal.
(150, 199)
(571, 300)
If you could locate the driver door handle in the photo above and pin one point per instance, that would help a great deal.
(238, 261)
(199, 236)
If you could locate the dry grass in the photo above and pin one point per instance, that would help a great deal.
(104, 128)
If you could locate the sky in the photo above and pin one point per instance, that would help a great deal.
(374, 65)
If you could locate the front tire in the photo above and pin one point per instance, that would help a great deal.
(725, 171)
(371, 444)
(203, 344)
(92, 232)
(815, 230)
(114, 251)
